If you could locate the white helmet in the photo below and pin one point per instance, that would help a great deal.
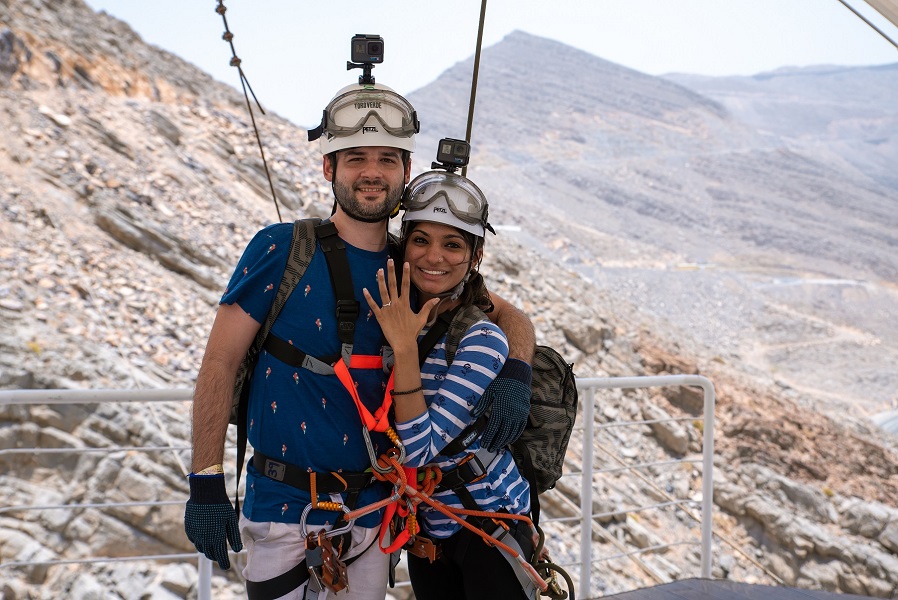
(367, 115)
(447, 198)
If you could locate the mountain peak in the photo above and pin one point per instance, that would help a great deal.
(559, 91)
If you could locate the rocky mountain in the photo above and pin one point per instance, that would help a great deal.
(846, 113)
(772, 253)
(130, 182)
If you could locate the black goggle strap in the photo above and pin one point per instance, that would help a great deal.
(314, 134)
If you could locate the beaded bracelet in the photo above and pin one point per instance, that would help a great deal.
(417, 389)
(213, 470)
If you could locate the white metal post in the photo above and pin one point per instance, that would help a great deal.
(204, 578)
(586, 494)
(707, 477)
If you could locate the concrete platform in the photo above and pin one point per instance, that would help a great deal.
(712, 589)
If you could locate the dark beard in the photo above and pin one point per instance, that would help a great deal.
(363, 212)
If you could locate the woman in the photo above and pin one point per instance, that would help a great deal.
(442, 241)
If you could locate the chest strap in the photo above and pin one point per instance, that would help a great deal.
(289, 354)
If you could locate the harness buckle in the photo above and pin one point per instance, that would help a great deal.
(347, 310)
(476, 468)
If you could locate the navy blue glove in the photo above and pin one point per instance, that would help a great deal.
(210, 520)
(508, 399)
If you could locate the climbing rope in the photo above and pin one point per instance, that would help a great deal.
(404, 502)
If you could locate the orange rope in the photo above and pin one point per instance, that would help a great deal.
(399, 479)
(488, 539)
(432, 477)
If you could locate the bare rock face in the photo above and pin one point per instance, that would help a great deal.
(129, 185)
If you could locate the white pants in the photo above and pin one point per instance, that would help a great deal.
(275, 548)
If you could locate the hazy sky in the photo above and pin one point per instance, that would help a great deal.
(294, 52)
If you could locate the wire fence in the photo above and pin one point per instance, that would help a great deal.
(581, 513)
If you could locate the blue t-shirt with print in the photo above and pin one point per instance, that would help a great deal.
(306, 419)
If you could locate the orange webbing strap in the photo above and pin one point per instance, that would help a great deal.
(366, 361)
(380, 420)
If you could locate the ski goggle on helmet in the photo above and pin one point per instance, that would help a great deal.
(367, 115)
(447, 198)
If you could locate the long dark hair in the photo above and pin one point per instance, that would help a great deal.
(474, 292)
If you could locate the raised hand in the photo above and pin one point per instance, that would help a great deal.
(399, 322)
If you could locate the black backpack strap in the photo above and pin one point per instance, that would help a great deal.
(299, 256)
(461, 322)
(347, 307)
(341, 280)
(433, 335)
(525, 466)
(302, 247)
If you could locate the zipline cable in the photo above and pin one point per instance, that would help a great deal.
(244, 82)
(464, 169)
(868, 22)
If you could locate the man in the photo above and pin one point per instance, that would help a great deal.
(303, 423)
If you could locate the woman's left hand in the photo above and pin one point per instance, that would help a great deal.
(399, 322)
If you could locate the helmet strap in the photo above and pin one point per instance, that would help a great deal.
(398, 204)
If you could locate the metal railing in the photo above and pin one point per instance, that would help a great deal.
(590, 386)
(586, 517)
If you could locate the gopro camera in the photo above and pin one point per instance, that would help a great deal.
(367, 48)
(452, 153)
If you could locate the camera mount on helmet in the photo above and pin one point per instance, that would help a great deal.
(366, 51)
(452, 154)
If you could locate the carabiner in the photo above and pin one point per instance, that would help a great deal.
(332, 532)
(401, 459)
(368, 444)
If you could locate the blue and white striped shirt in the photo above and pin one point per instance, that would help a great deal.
(451, 392)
